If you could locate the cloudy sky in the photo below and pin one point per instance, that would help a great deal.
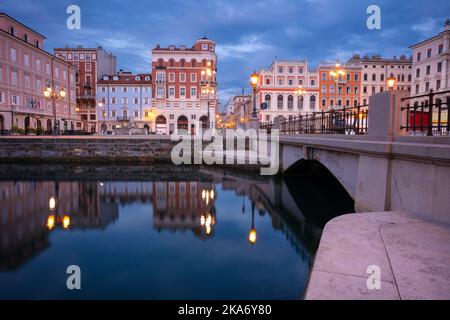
(249, 33)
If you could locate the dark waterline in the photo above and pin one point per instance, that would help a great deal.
(159, 232)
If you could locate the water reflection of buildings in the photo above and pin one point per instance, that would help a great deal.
(183, 206)
(31, 210)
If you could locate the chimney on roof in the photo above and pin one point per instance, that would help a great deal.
(447, 25)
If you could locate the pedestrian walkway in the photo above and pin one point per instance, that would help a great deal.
(413, 256)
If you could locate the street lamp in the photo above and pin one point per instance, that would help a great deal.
(337, 73)
(208, 75)
(301, 93)
(51, 93)
(254, 83)
(391, 82)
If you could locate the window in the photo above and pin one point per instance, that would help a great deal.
(427, 86)
(136, 100)
(136, 114)
(382, 77)
(113, 100)
(14, 78)
(439, 67)
(280, 81)
(324, 76)
(355, 90)
(313, 82)
(438, 84)
(171, 77)
(280, 70)
(290, 102)
(324, 103)
(103, 89)
(339, 89)
(365, 76)
(419, 56)
(13, 55)
(27, 82)
(125, 89)
(418, 73)
(193, 92)
(428, 70)
(14, 100)
(2, 99)
(301, 101)
(356, 77)
(182, 92)
(441, 48)
(193, 77)
(183, 63)
(312, 102)
(291, 82)
(26, 60)
(182, 77)
(291, 70)
(113, 113)
(113, 89)
(429, 53)
(347, 90)
(374, 77)
(301, 70)
(88, 66)
(324, 89)
(280, 102)
(124, 100)
(365, 89)
(171, 91)
(332, 88)
(417, 88)
(348, 76)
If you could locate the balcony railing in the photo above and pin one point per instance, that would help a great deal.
(124, 118)
(427, 114)
(346, 120)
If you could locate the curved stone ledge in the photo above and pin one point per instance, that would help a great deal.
(413, 256)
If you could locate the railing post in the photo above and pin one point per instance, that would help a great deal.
(430, 113)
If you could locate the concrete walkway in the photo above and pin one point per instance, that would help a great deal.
(413, 256)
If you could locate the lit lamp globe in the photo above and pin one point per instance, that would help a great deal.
(62, 93)
(391, 82)
(252, 236)
(254, 79)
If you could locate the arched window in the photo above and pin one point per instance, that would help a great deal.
(301, 101)
(280, 101)
(183, 63)
(339, 102)
(267, 100)
(204, 62)
(347, 103)
(160, 62)
(290, 102)
(355, 103)
(331, 102)
(324, 103)
(312, 102)
(193, 63)
(171, 63)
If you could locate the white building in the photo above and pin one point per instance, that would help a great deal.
(431, 67)
(278, 87)
(375, 71)
(124, 101)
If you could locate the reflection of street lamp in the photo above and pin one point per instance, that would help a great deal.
(52, 203)
(252, 234)
(51, 93)
(254, 83)
(391, 82)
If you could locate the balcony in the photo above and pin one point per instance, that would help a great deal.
(208, 83)
(162, 82)
(124, 118)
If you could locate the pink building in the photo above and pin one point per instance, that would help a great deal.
(26, 70)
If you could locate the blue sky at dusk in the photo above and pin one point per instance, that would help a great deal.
(249, 34)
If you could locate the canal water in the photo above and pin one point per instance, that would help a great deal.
(160, 232)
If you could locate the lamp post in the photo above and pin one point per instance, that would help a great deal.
(336, 73)
(208, 75)
(391, 82)
(254, 83)
(51, 93)
(301, 93)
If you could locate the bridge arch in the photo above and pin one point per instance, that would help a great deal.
(342, 166)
